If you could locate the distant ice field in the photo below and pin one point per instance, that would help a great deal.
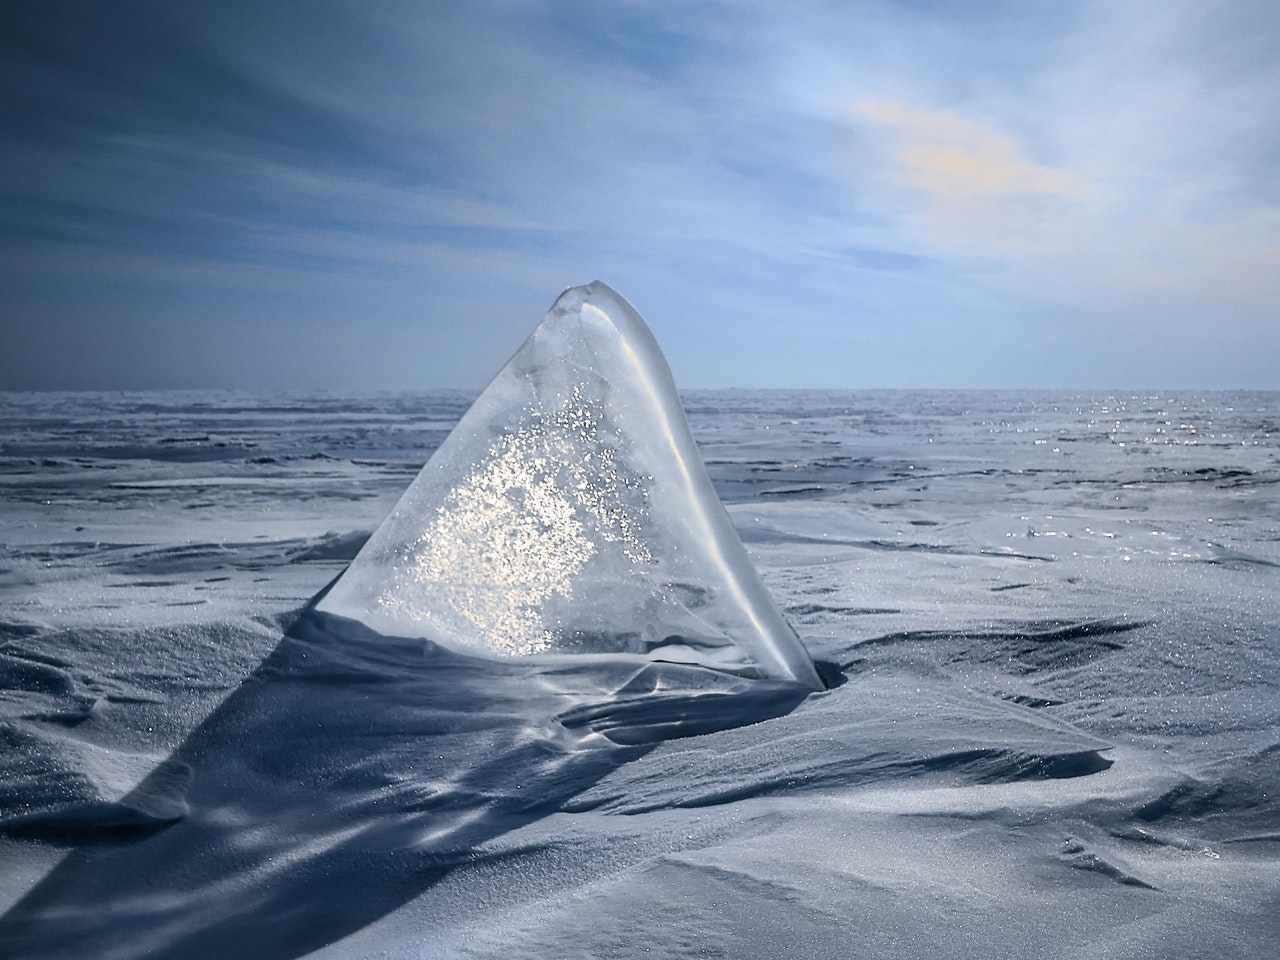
(1050, 622)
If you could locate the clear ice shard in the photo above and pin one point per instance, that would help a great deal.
(569, 512)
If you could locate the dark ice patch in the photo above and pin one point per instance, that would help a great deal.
(1035, 648)
(332, 546)
(158, 803)
(177, 559)
(1223, 477)
(1226, 556)
(24, 670)
(811, 609)
(704, 701)
(81, 711)
(1078, 855)
(13, 631)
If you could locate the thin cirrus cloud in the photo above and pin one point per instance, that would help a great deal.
(876, 193)
(959, 160)
(969, 183)
(965, 186)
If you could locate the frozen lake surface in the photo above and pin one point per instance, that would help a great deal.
(1050, 622)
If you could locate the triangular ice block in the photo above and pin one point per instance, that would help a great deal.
(569, 512)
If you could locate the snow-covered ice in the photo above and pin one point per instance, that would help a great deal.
(1048, 622)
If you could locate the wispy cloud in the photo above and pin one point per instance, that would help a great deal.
(888, 181)
(973, 186)
(960, 161)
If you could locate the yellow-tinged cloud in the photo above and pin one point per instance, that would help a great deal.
(973, 185)
(964, 187)
(957, 159)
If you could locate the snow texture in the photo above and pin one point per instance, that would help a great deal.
(1048, 623)
(569, 512)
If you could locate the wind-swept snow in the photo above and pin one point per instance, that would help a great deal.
(1049, 625)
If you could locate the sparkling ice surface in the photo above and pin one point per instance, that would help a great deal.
(570, 512)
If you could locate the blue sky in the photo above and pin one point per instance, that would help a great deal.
(829, 194)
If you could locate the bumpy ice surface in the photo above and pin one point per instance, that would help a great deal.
(1056, 614)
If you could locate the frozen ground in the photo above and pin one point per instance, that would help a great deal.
(1050, 621)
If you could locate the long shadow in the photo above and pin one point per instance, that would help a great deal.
(349, 774)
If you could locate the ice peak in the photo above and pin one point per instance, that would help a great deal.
(569, 512)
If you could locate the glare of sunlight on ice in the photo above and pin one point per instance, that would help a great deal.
(570, 512)
(705, 532)
(541, 492)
